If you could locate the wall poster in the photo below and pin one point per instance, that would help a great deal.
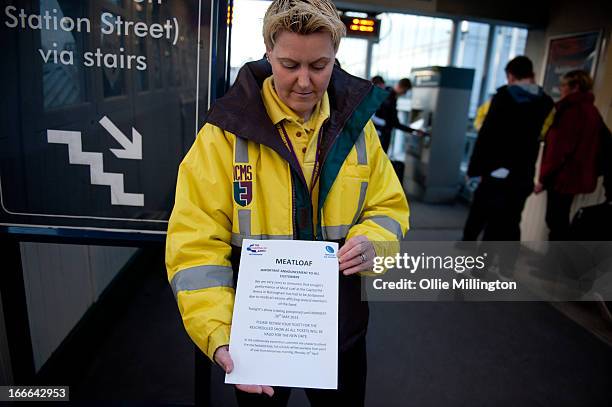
(567, 53)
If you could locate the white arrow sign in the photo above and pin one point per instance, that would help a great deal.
(132, 150)
(95, 161)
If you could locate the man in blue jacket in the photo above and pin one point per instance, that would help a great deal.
(505, 154)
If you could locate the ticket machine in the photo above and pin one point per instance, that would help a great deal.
(440, 103)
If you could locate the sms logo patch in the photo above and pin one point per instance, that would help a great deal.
(243, 184)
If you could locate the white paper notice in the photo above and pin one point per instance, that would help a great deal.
(285, 323)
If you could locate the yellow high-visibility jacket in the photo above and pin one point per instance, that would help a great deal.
(240, 181)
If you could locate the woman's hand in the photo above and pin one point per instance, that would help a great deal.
(538, 188)
(223, 359)
(356, 255)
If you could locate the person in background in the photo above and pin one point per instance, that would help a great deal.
(378, 81)
(481, 113)
(379, 123)
(571, 153)
(505, 154)
(388, 112)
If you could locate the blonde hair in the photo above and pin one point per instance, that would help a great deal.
(302, 17)
(580, 79)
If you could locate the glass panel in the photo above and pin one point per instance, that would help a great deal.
(352, 56)
(167, 62)
(508, 42)
(156, 65)
(142, 77)
(175, 64)
(471, 53)
(157, 51)
(409, 41)
(63, 78)
(141, 10)
(113, 76)
(140, 48)
(247, 39)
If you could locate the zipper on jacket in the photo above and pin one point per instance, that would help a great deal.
(296, 223)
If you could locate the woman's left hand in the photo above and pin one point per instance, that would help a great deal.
(538, 188)
(356, 255)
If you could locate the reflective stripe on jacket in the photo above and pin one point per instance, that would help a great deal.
(239, 181)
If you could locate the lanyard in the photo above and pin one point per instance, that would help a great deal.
(316, 171)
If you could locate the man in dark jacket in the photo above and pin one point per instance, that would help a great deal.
(388, 112)
(505, 154)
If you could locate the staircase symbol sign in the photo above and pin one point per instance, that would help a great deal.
(131, 150)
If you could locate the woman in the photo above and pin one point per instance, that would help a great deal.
(569, 163)
(288, 153)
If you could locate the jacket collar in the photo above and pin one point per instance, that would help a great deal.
(242, 112)
(578, 97)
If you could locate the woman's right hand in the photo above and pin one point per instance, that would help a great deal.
(222, 358)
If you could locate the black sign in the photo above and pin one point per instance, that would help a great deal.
(104, 99)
